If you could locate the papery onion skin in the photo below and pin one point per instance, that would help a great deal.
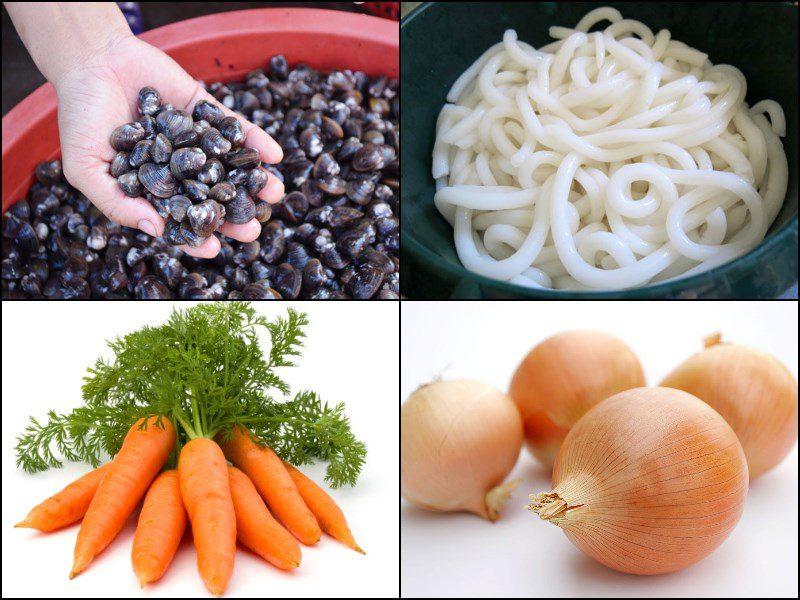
(649, 481)
(457, 457)
(753, 391)
(562, 378)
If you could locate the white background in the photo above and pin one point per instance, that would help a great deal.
(520, 555)
(350, 356)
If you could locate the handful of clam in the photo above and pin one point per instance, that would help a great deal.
(192, 168)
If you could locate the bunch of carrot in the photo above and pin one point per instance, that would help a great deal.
(222, 503)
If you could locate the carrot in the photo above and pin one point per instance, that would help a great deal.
(328, 514)
(274, 484)
(257, 529)
(67, 506)
(206, 494)
(139, 460)
(160, 528)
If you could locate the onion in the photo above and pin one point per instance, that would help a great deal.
(562, 378)
(458, 442)
(752, 390)
(650, 481)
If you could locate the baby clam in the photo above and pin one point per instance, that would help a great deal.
(148, 123)
(311, 141)
(238, 176)
(331, 130)
(366, 281)
(368, 158)
(245, 101)
(247, 253)
(129, 183)
(191, 281)
(288, 281)
(174, 122)
(212, 172)
(186, 163)
(354, 240)
(360, 190)
(172, 233)
(246, 158)
(49, 172)
(205, 217)
(333, 186)
(140, 153)
(263, 211)
(293, 207)
(348, 149)
(195, 190)
(177, 206)
(151, 287)
(342, 217)
(314, 275)
(206, 111)
(192, 238)
(256, 181)
(161, 150)
(257, 291)
(223, 192)
(119, 164)
(214, 144)
(241, 209)
(125, 136)
(157, 179)
(26, 238)
(149, 101)
(231, 130)
(186, 139)
(325, 166)
(160, 204)
(200, 126)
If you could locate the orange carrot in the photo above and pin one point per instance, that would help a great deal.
(257, 529)
(328, 514)
(273, 482)
(139, 460)
(67, 506)
(206, 494)
(160, 528)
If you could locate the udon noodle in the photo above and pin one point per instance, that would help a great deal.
(605, 160)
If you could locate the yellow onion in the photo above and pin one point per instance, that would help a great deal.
(562, 378)
(752, 390)
(458, 442)
(649, 481)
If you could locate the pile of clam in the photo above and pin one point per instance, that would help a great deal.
(334, 235)
(192, 168)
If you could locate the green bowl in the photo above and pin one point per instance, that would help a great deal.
(440, 40)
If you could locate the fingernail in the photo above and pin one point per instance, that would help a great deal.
(147, 227)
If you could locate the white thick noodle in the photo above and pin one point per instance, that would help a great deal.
(605, 160)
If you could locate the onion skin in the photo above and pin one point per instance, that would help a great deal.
(650, 481)
(753, 391)
(562, 378)
(458, 442)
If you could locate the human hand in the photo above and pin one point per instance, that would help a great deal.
(102, 95)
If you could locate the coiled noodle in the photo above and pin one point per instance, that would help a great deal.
(605, 160)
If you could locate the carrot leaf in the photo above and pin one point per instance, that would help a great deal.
(205, 369)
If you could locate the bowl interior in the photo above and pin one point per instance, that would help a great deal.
(440, 40)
